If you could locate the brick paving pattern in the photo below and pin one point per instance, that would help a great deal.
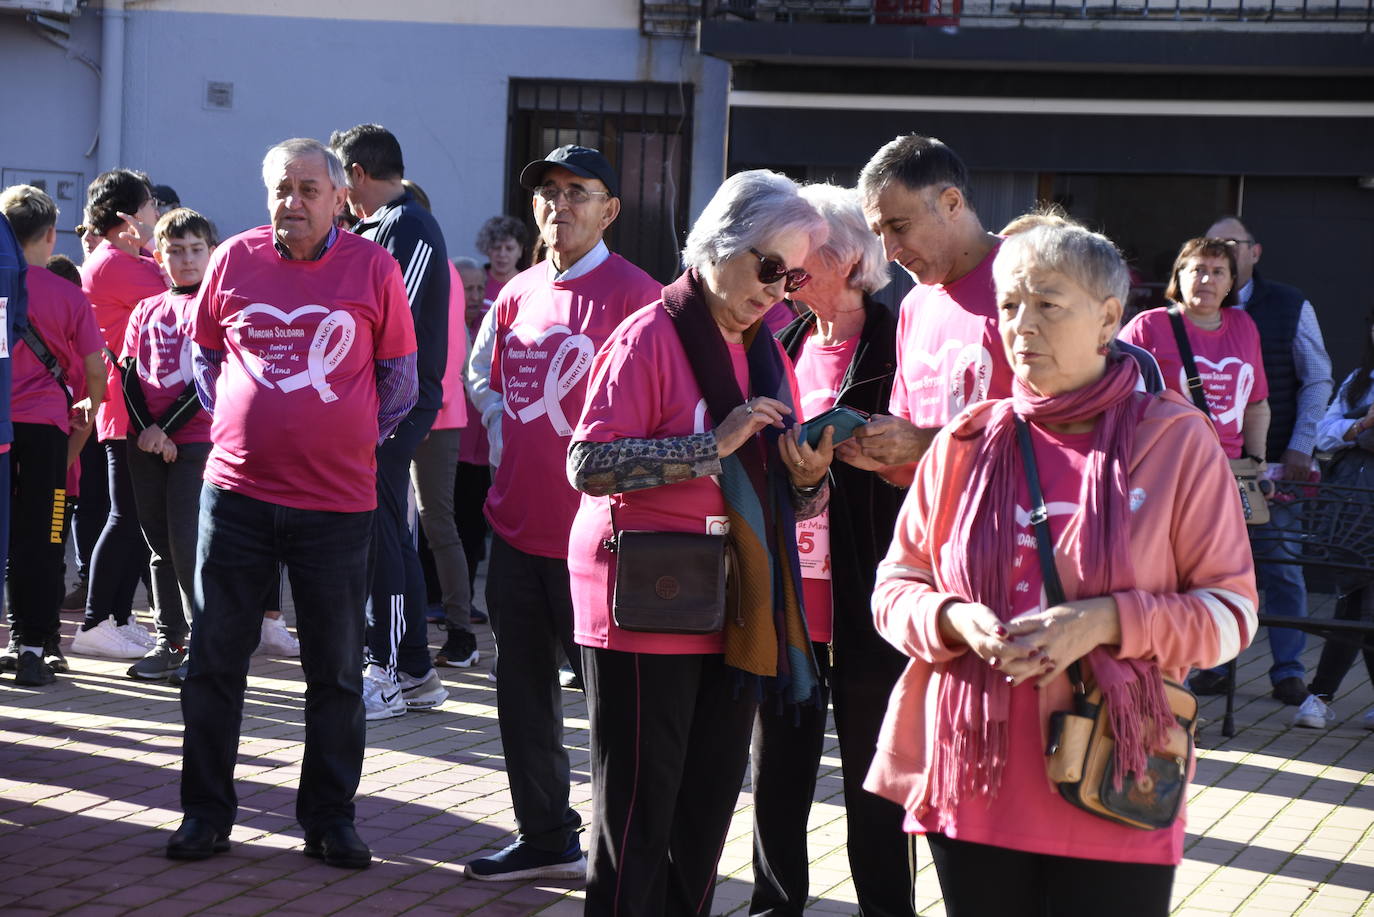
(1281, 820)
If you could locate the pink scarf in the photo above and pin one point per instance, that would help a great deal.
(975, 700)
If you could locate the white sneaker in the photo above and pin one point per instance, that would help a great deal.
(135, 632)
(1314, 714)
(422, 693)
(108, 640)
(276, 640)
(381, 696)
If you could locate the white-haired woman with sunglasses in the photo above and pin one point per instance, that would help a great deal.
(690, 427)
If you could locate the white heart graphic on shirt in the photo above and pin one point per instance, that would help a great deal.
(934, 360)
(1245, 384)
(564, 370)
(823, 395)
(320, 356)
(181, 375)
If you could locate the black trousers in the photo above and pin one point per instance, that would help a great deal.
(530, 603)
(397, 634)
(120, 558)
(92, 506)
(978, 880)
(1338, 655)
(38, 515)
(786, 754)
(470, 486)
(670, 740)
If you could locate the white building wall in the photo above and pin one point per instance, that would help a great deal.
(440, 84)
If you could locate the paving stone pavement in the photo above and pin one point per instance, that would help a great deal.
(1281, 820)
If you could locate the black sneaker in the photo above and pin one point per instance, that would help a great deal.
(520, 861)
(52, 654)
(1290, 691)
(9, 660)
(178, 678)
(568, 678)
(459, 650)
(33, 672)
(1207, 683)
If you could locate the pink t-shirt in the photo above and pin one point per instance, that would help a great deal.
(642, 388)
(546, 336)
(949, 353)
(296, 403)
(1028, 813)
(1229, 362)
(820, 370)
(493, 290)
(454, 414)
(60, 314)
(115, 281)
(159, 334)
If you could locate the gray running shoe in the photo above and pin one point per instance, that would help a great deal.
(161, 661)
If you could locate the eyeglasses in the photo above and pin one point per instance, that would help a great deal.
(771, 270)
(551, 193)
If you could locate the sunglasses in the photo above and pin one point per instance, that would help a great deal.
(772, 270)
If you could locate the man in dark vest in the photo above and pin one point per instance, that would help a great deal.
(1299, 374)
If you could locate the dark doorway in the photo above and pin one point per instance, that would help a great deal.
(1148, 216)
(644, 129)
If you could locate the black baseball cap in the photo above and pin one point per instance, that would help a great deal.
(166, 196)
(579, 160)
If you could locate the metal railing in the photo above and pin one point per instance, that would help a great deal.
(952, 12)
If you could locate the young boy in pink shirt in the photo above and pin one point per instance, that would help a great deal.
(56, 364)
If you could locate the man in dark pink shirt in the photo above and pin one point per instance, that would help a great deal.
(305, 358)
(540, 337)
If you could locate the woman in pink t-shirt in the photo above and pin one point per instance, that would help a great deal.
(1224, 341)
(689, 427)
(1151, 550)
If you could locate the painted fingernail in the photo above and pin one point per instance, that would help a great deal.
(1010, 680)
(1033, 654)
(994, 662)
(1000, 631)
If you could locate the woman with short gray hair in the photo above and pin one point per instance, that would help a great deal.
(689, 427)
(844, 347)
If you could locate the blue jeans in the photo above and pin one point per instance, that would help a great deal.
(240, 542)
(1285, 593)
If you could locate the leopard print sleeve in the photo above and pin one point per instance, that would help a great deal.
(601, 469)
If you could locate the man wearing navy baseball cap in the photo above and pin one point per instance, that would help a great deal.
(528, 376)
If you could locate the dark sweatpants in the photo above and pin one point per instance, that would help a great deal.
(670, 740)
(530, 603)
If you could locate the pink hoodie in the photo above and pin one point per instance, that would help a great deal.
(1193, 605)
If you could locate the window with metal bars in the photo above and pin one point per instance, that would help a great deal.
(644, 129)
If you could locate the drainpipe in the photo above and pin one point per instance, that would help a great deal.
(112, 86)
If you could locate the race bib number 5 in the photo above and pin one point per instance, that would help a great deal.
(813, 546)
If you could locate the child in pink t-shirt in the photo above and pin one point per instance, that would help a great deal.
(56, 363)
(169, 431)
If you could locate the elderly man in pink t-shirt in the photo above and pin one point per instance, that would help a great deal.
(305, 357)
(541, 335)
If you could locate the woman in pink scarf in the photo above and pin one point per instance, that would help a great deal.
(1152, 551)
